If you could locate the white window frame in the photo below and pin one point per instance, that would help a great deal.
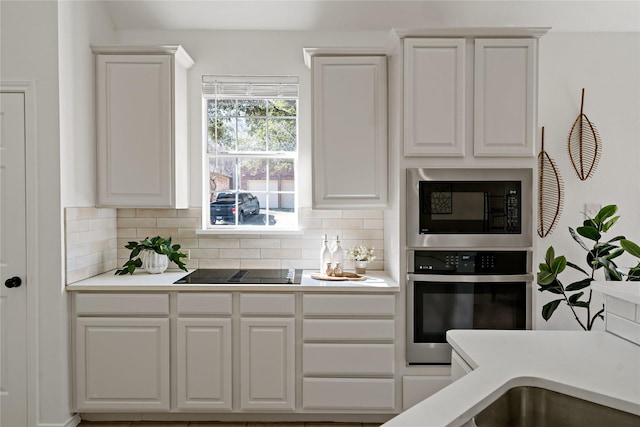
(247, 87)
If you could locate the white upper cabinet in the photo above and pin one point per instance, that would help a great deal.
(434, 97)
(349, 131)
(467, 92)
(141, 108)
(505, 91)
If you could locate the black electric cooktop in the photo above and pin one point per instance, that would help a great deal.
(218, 276)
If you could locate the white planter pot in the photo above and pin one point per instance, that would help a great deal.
(154, 262)
(361, 266)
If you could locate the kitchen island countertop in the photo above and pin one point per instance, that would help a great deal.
(376, 281)
(595, 366)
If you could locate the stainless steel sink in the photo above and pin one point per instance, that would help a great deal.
(533, 406)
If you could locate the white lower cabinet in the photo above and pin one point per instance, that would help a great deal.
(459, 367)
(203, 364)
(267, 352)
(348, 352)
(357, 394)
(234, 352)
(204, 352)
(416, 388)
(121, 359)
(267, 364)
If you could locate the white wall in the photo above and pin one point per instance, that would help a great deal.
(607, 65)
(80, 25)
(30, 52)
(33, 35)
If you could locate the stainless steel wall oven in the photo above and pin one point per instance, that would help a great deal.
(463, 289)
(461, 208)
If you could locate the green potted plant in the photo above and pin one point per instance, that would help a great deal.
(153, 254)
(600, 256)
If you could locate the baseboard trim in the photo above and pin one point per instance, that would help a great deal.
(71, 422)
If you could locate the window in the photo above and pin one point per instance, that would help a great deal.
(251, 152)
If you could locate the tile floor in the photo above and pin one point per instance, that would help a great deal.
(218, 424)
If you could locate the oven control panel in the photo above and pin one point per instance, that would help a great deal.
(469, 262)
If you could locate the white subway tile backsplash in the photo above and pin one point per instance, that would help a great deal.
(91, 240)
(354, 227)
(218, 243)
(177, 222)
(136, 222)
(240, 253)
(156, 213)
(260, 243)
(260, 263)
(344, 224)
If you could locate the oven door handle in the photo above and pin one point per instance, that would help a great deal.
(497, 278)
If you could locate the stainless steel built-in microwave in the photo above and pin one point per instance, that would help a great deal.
(469, 208)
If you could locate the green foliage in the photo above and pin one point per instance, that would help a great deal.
(599, 256)
(157, 244)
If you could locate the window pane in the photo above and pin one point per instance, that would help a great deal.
(252, 107)
(253, 176)
(283, 107)
(226, 107)
(282, 135)
(222, 175)
(252, 134)
(223, 130)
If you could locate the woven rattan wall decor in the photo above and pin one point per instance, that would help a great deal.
(550, 193)
(584, 145)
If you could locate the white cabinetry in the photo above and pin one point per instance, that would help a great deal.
(505, 94)
(459, 368)
(203, 356)
(141, 108)
(498, 103)
(267, 352)
(348, 352)
(434, 97)
(121, 359)
(349, 123)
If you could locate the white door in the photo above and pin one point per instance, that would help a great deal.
(13, 245)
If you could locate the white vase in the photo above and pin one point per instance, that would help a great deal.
(154, 262)
(361, 266)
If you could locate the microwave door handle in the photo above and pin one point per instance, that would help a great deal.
(497, 278)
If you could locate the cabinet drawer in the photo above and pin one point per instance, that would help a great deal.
(348, 359)
(348, 329)
(267, 304)
(348, 305)
(348, 393)
(120, 304)
(204, 303)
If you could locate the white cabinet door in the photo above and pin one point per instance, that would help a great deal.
(203, 364)
(141, 129)
(349, 132)
(505, 86)
(267, 364)
(434, 97)
(122, 364)
(459, 368)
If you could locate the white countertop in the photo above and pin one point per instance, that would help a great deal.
(629, 291)
(377, 281)
(595, 366)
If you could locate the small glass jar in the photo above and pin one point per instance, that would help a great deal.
(329, 271)
(337, 271)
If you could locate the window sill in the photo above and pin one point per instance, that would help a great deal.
(251, 231)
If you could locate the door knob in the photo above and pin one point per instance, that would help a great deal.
(13, 282)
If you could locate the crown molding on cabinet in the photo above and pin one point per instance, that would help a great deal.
(310, 52)
(472, 32)
(177, 51)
